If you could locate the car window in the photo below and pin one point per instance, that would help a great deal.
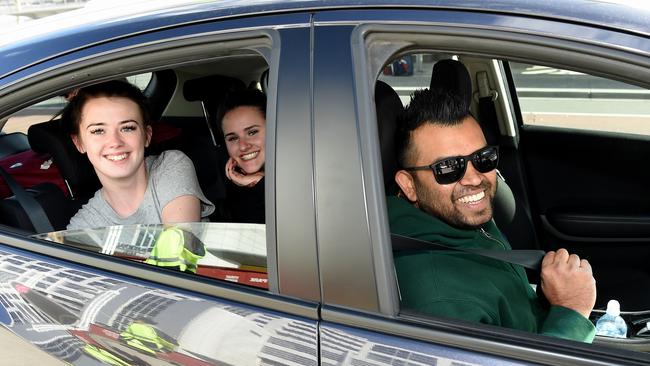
(49, 108)
(140, 80)
(39, 112)
(550, 96)
(409, 72)
(226, 251)
(187, 120)
(555, 190)
(448, 297)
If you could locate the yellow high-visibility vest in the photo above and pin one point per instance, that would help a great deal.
(177, 248)
(144, 337)
(104, 356)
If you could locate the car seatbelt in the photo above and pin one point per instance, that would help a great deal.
(487, 110)
(526, 258)
(33, 209)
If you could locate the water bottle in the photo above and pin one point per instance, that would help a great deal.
(611, 324)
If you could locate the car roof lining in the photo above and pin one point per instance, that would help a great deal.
(245, 67)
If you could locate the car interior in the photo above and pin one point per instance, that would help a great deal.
(184, 104)
(520, 204)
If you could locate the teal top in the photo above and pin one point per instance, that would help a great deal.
(471, 287)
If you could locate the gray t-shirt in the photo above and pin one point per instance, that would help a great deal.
(171, 175)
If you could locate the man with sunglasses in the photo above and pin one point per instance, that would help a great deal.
(447, 183)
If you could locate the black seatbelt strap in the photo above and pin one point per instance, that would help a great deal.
(526, 258)
(487, 110)
(32, 208)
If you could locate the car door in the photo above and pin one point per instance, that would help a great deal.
(354, 243)
(83, 303)
(360, 297)
(583, 141)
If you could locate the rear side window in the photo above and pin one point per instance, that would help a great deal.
(561, 98)
(409, 72)
(226, 251)
(39, 112)
(228, 244)
(49, 108)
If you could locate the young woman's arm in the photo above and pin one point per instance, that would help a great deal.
(177, 190)
(182, 209)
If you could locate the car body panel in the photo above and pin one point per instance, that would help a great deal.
(144, 38)
(439, 22)
(57, 39)
(444, 25)
(349, 346)
(294, 178)
(63, 308)
(333, 297)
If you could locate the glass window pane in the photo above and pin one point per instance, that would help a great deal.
(569, 99)
(227, 251)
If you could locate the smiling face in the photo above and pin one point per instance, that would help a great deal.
(244, 129)
(466, 203)
(113, 135)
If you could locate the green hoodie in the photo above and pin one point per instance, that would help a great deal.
(467, 286)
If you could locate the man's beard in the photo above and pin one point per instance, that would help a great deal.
(446, 210)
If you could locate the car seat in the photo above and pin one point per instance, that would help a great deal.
(13, 143)
(32, 175)
(53, 137)
(159, 92)
(510, 214)
(49, 196)
(207, 148)
(389, 107)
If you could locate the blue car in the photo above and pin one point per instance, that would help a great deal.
(563, 87)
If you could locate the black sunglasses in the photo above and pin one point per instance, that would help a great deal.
(452, 169)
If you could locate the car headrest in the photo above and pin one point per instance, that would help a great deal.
(209, 88)
(389, 107)
(159, 92)
(49, 137)
(452, 75)
(264, 81)
(13, 143)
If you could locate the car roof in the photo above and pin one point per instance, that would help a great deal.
(44, 38)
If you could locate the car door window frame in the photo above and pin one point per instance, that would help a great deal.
(372, 44)
(163, 55)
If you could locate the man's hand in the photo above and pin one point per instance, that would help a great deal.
(242, 180)
(568, 281)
